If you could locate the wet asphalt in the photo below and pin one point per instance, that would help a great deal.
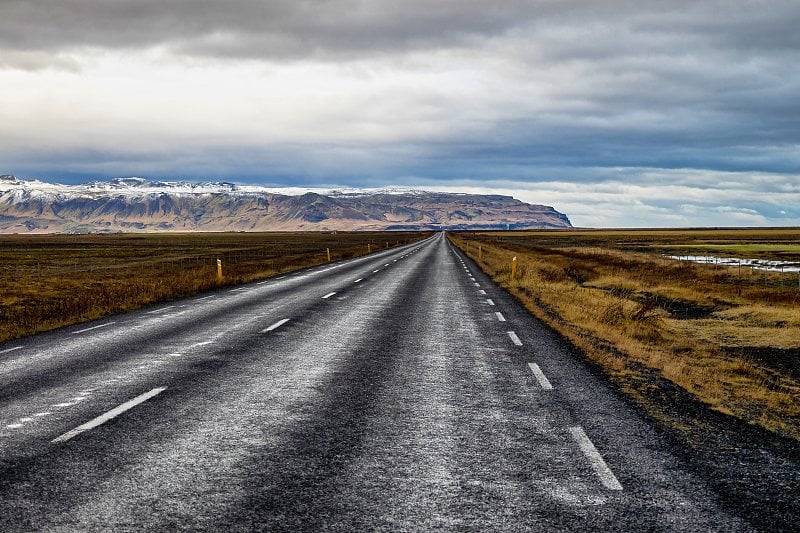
(401, 391)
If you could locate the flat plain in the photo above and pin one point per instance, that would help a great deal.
(48, 281)
(727, 335)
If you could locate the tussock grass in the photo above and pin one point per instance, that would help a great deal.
(629, 310)
(47, 281)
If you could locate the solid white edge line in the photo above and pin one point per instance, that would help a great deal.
(203, 298)
(11, 349)
(514, 338)
(90, 329)
(276, 325)
(105, 417)
(328, 295)
(607, 477)
(160, 310)
(540, 377)
(500, 316)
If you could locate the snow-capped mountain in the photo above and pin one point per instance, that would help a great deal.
(137, 204)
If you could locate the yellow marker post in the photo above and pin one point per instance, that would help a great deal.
(329, 254)
(369, 248)
(387, 244)
(219, 270)
(514, 267)
(480, 252)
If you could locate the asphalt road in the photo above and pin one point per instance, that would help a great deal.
(400, 391)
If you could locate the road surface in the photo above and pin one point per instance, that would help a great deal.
(400, 391)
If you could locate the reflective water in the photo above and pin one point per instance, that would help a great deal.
(759, 264)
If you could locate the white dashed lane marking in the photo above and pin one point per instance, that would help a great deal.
(105, 417)
(483, 292)
(7, 350)
(201, 343)
(328, 295)
(489, 301)
(374, 271)
(500, 316)
(276, 325)
(358, 280)
(93, 327)
(540, 377)
(514, 338)
(607, 477)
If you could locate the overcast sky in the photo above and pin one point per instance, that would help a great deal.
(616, 112)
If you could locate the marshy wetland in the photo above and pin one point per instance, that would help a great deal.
(726, 335)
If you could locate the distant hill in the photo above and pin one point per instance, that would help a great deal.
(135, 204)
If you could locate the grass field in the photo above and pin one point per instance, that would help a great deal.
(47, 281)
(728, 336)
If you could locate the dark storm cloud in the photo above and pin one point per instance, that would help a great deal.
(252, 29)
(295, 28)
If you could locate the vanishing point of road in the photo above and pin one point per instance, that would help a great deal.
(400, 391)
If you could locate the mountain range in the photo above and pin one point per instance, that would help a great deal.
(136, 204)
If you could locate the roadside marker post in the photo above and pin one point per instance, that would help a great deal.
(329, 254)
(514, 267)
(219, 270)
(480, 253)
(369, 248)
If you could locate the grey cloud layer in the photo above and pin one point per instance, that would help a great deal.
(586, 91)
(294, 28)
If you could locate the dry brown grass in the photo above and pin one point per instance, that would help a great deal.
(626, 309)
(47, 281)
